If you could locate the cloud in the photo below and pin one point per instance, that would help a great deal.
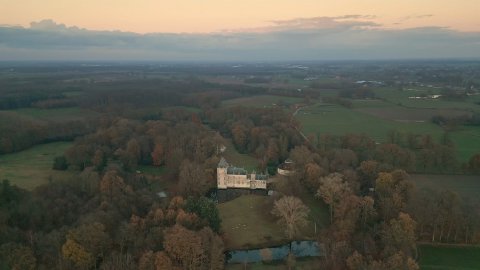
(318, 38)
(414, 17)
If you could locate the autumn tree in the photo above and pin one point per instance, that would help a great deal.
(184, 247)
(399, 235)
(17, 257)
(292, 213)
(332, 189)
(85, 244)
(193, 180)
(158, 154)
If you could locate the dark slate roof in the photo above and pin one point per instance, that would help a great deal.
(236, 171)
(261, 177)
(223, 163)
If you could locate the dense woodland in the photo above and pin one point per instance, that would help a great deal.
(110, 215)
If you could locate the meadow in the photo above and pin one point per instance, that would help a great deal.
(33, 167)
(465, 185)
(237, 159)
(54, 115)
(377, 118)
(333, 119)
(449, 257)
(247, 222)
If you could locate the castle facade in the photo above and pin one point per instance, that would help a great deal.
(232, 177)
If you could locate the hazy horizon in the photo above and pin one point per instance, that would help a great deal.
(232, 31)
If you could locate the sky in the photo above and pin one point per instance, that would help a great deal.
(248, 30)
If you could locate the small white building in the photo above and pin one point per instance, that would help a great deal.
(233, 177)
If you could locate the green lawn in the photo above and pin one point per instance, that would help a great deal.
(464, 185)
(445, 257)
(32, 167)
(247, 223)
(151, 170)
(467, 142)
(262, 101)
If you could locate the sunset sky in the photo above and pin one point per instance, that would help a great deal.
(144, 16)
(198, 29)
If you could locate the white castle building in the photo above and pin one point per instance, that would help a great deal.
(233, 177)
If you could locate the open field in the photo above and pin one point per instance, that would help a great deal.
(55, 115)
(32, 167)
(448, 257)
(247, 223)
(262, 101)
(464, 185)
(337, 120)
(402, 98)
(467, 142)
(387, 111)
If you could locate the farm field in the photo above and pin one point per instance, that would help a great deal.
(262, 101)
(337, 120)
(464, 185)
(447, 257)
(387, 111)
(467, 142)
(32, 167)
(402, 98)
(377, 118)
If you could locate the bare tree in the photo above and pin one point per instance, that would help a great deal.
(292, 213)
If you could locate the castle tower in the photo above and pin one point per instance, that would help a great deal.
(222, 174)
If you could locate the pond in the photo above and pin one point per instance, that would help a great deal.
(298, 248)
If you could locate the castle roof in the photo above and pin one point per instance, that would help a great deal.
(236, 170)
(223, 163)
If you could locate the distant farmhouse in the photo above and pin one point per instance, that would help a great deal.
(232, 177)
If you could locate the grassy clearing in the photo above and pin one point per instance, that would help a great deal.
(247, 223)
(234, 158)
(151, 170)
(56, 115)
(33, 167)
(464, 185)
(264, 101)
(467, 142)
(447, 257)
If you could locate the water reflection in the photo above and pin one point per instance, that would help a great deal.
(298, 248)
